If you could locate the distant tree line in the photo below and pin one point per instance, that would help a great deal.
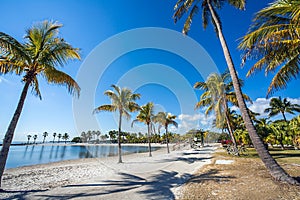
(59, 136)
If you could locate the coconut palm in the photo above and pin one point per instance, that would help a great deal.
(123, 101)
(279, 106)
(34, 139)
(54, 135)
(273, 39)
(218, 92)
(59, 136)
(28, 138)
(98, 133)
(191, 7)
(295, 129)
(145, 116)
(65, 137)
(165, 119)
(37, 57)
(45, 134)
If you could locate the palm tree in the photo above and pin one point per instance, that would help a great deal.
(65, 137)
(54, 135)
(34, 139)
(295, 129)
(209, 12)
(279, 130)
(112, 135)
(98, 133)
(45, 134)
(218, 92)
(42, 51)
(273, 39)
(28, 138)
(165, 119)
(145, 116)
(59, 136)
(281, 106)
(122, 101)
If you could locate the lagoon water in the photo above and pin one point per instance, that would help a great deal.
(39, 154)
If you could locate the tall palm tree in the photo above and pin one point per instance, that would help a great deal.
(54, 135)
(37, 57)
(65, 137)
(59, 136)
(218, 92)
(123, 101)
(145, 116)
(209, 12)
(279, 106)
(274, 40)
(165, 119)
(45, 134)
(34, 139)
(28, 138)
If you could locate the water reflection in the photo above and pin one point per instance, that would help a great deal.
(62, 155)
(31, 152)
(51, 152)
(41, 152)
(26, 148)
(38, 154)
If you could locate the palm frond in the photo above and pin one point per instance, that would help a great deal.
(109, 108)
(55, 76)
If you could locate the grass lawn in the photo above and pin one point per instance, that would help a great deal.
(246, 178)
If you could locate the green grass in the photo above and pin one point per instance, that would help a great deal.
(282, 156)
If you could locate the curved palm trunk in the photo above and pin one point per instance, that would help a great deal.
(274, 168)
(11, 129)
(149, 142)
(167, 141)
(119, 139)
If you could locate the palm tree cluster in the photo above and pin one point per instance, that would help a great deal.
(91, 136)
(273, 39)
(65, 137)
(123, 101)
(274, 36)
(281, 132)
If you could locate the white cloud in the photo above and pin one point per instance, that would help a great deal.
(194, 121)
(259, 106)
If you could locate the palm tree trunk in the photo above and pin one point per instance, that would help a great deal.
(168, 150)
(228, 125)
(149, 142)
(119, 139)
(274, 168)
(284, 116)
(11, 129)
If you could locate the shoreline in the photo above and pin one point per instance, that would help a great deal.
(155, 148)
(59, 178)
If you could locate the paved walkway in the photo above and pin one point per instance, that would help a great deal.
(157, 177)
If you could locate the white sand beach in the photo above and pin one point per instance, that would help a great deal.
(138, 177)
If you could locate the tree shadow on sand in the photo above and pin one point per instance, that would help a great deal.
(17, 194)
(157, 186)
(211, 175)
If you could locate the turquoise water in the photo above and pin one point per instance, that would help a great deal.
(39, 154)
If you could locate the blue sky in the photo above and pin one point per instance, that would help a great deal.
(86, 25)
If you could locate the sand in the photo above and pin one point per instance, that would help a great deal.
(138, 177)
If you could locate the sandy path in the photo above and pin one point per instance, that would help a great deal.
(139, 177)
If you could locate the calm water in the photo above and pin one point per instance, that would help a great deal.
(38, 154)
